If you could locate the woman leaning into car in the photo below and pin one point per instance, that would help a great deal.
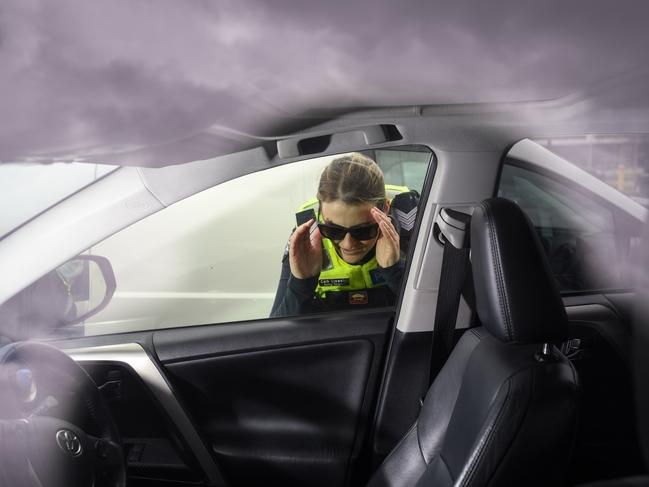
(347, 254)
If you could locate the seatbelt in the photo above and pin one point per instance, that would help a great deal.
(451, 227)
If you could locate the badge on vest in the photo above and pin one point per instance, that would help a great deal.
(377, 276)
(358, 297)
(334, 282)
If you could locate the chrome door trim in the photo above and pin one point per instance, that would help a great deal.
(134, 355)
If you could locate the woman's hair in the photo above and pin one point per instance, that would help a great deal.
(353, 179)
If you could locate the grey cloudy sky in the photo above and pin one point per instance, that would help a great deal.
(130, 73)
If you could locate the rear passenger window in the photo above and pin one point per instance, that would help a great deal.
(587, 241)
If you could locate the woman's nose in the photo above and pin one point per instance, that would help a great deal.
(349, 242)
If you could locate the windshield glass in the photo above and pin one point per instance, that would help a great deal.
(28, 189)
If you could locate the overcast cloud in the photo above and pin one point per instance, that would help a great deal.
(131, 73)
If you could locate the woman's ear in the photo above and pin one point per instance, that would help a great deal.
(387, 206)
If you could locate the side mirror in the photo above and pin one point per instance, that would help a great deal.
(90, 282)
(67, 295)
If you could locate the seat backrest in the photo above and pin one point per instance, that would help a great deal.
(502, 411)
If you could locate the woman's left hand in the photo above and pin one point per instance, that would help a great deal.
(387, 245)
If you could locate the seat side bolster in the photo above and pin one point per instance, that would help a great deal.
(442, 396)
(553, 408)
(503, 419)
(403, 466)
(514, 447)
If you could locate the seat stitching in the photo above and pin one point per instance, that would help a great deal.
(421, 450)
(528, 407)
(500, 282)
(476, 333)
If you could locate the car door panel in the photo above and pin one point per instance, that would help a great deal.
(154, 441)
(161, 441)
(280, 403)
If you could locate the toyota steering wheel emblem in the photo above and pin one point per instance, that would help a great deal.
(69, 442)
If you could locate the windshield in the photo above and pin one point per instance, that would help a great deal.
(28, 189)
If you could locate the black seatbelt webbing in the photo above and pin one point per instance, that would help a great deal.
(455, 264)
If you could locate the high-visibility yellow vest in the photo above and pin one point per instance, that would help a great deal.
(338, 275)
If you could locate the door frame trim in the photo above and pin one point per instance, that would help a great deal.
(134, 355)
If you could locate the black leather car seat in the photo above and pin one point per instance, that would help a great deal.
(502, 411)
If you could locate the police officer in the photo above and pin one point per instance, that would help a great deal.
(348, 255)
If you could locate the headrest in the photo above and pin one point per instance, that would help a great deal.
(517, 297)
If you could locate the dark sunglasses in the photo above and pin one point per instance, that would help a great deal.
(360, 232)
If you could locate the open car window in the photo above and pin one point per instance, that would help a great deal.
(216, 256)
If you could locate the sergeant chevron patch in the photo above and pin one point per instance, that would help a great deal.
(407, 220)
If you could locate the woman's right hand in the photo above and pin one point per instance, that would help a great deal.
(305, 251)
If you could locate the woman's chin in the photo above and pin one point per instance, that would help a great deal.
(352, 257)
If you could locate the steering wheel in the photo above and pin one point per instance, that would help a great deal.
(55, 429)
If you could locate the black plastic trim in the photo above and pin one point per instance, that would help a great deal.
(404, 384)
(182, 344)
